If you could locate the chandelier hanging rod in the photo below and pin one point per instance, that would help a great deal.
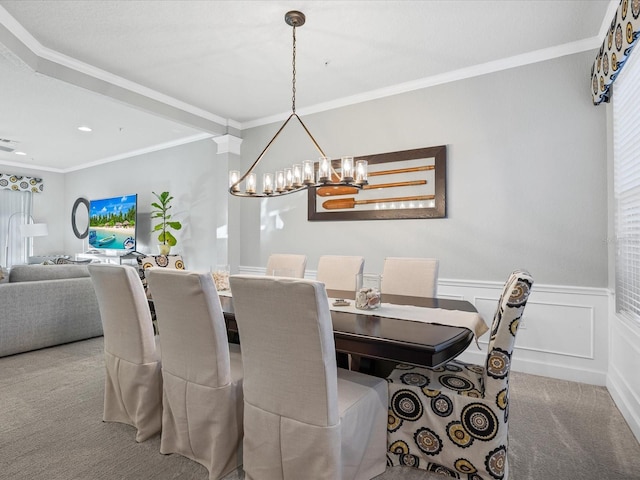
(302, 176)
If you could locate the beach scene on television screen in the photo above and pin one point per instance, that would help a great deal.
(112, 223)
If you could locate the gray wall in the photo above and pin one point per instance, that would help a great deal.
(526, 183)
(526, 180)
(47, 208)
(194, 174)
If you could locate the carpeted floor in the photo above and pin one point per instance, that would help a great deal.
(51, 428)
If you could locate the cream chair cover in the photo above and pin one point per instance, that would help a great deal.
(454, 419)
(295, 264)
(202, 373)
(415, 277)
(151, 261)
(133, 383)
(338, 273)
(304, 418)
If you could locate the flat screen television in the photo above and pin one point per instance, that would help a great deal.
(112, 223)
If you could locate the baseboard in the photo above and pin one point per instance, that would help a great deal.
(623, 381)
(625, 401)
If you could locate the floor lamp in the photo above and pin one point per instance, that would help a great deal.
(27, 230)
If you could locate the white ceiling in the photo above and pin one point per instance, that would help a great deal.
(149, 74)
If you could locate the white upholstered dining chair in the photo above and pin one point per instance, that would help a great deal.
(293, 265)
(133, 380)
(202, 372)
(414, 277)
(338, 273)
(161, 261)
(303, 417)
(454, 419)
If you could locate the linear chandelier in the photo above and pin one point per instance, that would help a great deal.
(306, 174)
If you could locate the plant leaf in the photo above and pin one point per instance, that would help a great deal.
(170, 239)
(175, 225)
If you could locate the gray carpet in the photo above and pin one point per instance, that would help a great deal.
(51, 428)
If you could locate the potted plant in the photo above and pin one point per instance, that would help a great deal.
(161, 212)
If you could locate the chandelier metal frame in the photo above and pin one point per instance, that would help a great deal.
(323, 172)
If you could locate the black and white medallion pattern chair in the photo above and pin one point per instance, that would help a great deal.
(454, 419)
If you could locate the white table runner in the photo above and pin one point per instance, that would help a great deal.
(452, 318)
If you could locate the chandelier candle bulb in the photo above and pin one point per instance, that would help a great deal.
(288, 178)
(324, 169)
(297, 175)
(234, 175)
(267, 183)
(280, 181)
(251, 183)
(346, 174)
(361, 172)
(308, 178)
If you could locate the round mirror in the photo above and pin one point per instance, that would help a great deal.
(80, 216)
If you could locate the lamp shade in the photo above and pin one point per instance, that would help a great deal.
(34, 230)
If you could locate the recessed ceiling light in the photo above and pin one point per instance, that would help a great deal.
(19, 153)
(84, 128)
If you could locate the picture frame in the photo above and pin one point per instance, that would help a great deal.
(408, 184)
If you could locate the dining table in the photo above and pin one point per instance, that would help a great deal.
(409, 340)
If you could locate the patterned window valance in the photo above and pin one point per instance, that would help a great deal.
(20, 183)
(615, 49)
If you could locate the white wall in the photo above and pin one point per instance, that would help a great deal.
(525, 187)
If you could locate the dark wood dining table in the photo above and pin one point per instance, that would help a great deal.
(392, 339)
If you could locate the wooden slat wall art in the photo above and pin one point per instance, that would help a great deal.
(406, 184)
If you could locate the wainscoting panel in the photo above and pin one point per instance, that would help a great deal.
(576, 322)
(563, 333)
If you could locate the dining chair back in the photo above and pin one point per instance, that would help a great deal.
(286, 265)
(304, 417)
(338, 273)
(133, 382)
(415, 277)
(454, 419)
(163, 261)
(202, 373)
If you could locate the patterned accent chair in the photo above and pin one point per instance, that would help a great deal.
(164, 261)
(453, 419)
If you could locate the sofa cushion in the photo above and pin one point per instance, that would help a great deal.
(33, 273)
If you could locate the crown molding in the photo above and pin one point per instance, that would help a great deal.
(70, 70)
(141, 151)
(453, 76)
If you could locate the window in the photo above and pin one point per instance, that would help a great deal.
(15, 209)
(626, 154)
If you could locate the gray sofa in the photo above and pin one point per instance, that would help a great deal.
(46, 305)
